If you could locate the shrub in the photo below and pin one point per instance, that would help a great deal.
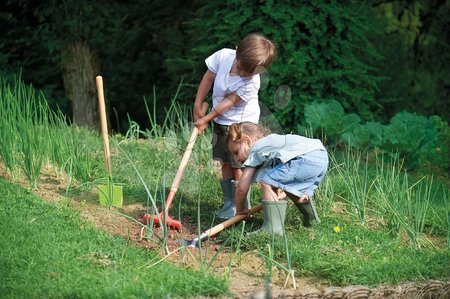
(418, 139)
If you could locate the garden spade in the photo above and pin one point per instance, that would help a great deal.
(219, 227)
(163, 218)
(109, 194)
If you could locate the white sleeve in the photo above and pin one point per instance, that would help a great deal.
(249, 90)
(213, 61)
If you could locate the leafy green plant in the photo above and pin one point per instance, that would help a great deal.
(8, 142)
(419, 140)
(330, 119)
(33, 134)
(410, 135)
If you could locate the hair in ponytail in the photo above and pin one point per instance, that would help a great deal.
(238, 130)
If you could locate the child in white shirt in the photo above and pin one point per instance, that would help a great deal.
(234, 76)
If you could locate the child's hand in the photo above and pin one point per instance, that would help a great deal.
(245, 212)
(198, 114)
(201, 125)
(200, 111)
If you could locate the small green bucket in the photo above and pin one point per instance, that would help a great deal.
(106, 193)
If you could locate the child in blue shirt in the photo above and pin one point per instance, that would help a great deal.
(292, 163)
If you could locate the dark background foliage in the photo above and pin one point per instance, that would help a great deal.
(376, 58)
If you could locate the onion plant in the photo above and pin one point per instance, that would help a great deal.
(8, 140)
(357, 182)
(27, 122)
(33, 134)
(447, 218)
(403, 206)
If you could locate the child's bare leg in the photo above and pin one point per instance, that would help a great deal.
(227, 170)
(270, 192)
(298, 199)
(237, 173)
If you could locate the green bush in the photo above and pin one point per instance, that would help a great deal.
(417, 139)
(323, 51)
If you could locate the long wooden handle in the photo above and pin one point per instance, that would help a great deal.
(221, 226)
(186, 155)
(184, 160)
(104, 125)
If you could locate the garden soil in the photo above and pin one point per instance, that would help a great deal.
(247, 273)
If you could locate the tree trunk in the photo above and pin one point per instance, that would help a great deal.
(80, 67)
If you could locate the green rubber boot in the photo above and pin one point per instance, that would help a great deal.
(274, 216)
(308, 210)
(227, 187)
(229, 208)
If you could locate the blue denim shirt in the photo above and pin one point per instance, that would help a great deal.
(273, 149)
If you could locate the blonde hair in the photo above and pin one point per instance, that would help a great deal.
(238, 130)
(254, 51)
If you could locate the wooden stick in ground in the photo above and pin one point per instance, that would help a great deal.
(104, 125)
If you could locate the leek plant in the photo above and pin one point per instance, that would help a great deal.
(389, 193)
(8, 140)
(403, 207)
(447, 201)
(28, 124)
(33, 134)
(152, 208)
(357, 182)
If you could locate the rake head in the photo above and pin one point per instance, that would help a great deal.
(161, 220)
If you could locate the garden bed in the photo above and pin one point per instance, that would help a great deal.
(247, 273)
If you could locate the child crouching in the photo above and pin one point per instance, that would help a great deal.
(292, 163)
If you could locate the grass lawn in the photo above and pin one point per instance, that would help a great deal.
(47, 251)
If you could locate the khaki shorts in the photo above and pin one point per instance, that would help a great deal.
(220, 150)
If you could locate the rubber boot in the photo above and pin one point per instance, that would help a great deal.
(229, 207)
(274, 216)
(308, 210)
(228, 195)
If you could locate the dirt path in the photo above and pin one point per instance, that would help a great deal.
(246, 272)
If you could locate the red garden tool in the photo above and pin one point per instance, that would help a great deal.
(219, 227)
(163, 218)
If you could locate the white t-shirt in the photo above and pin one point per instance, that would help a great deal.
(246, 88)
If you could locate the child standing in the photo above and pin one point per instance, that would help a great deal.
(235, 77)
(292, 163)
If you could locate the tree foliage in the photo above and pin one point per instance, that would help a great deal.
(375, 58)
(130, 40)
(323, 50)
(415, 47)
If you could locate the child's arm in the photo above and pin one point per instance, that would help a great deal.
(228, 102)
(203, 89)
(242, 189)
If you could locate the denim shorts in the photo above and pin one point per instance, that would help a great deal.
(300, 175)
(219, 144)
